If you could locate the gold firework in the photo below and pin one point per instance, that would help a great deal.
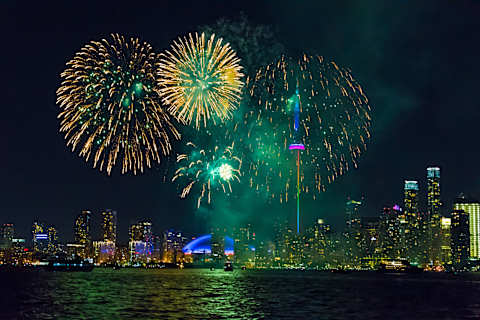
(200, 81)
(110, 107)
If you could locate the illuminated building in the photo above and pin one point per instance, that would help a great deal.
(109, 225)
(141, 242)
(244, 239)
(104, 251)
(173, 243)
(352, 211)
(370, 238)
(39, 237)
(353, 232)
(433, 209)
(410, 230)
(82, 232)
(460, 235)
(391, 222)
(52, 245)
(472, 207)
(445, 241)
(6, 235)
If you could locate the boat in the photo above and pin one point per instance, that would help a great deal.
(398, 267)
(70, 265)
(228, 266)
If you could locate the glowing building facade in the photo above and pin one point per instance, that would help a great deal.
(52, 235)
(433, 210)
(472, 208)
(109, 225)
(445, 241)
(390, 231)
(39, 237)
(82, 232)
(141, 242)
(410, 233)
(460, 239)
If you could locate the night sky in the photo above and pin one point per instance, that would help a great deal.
(418, 62)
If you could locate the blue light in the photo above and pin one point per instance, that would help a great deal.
(202, 245)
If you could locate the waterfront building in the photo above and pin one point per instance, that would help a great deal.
(39, 237)
(410, 232)
(353, 231)
(244, 246)
(104, 251)
(445, 241)
(433, 210)
(141, 242)
(472, 208)
(460, 238)
(390, 232)
(109, 225)
(6, 235)
(82, 233)
(173, 243)
(52, 244)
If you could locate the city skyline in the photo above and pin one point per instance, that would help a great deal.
(414, 123)
(103, 223)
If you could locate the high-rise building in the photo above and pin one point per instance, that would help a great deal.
(411, 227)
(353, 232)
(141, 242)
(352, 213)
(39, 237)
(445, 241)
(390, 232)
(109, 226)
(472, 207)
(173, 242)
(52, 246)
(460, 239)
(244, 245)
(82, 232)
(433, 210)
(6, 235)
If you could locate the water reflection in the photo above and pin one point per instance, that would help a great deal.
(205, 294)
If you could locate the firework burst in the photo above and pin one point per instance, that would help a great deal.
(200, 80)
(332, 124)
(110, 107)
(207, 171)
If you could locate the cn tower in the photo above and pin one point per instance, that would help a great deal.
(297, 145)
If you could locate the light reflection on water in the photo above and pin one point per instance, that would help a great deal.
(205, 294)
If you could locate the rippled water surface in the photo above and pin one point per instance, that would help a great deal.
(205, 294)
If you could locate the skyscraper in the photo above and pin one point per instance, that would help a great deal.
(141, 242)
(472, 208)
(6, 235)
(39, 237)
(460, 242)
(390, 232)
(52, 246)
(433, 211)
(82, 231)
(445, 243)
(109, 226)
(352, 213)
(411, 227)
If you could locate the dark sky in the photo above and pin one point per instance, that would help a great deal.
(418, 62)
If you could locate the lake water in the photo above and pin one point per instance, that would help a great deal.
(205, 294)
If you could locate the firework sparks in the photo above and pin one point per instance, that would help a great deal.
(208, 171)
(330, 129)
(110, 108)
(200, 80)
